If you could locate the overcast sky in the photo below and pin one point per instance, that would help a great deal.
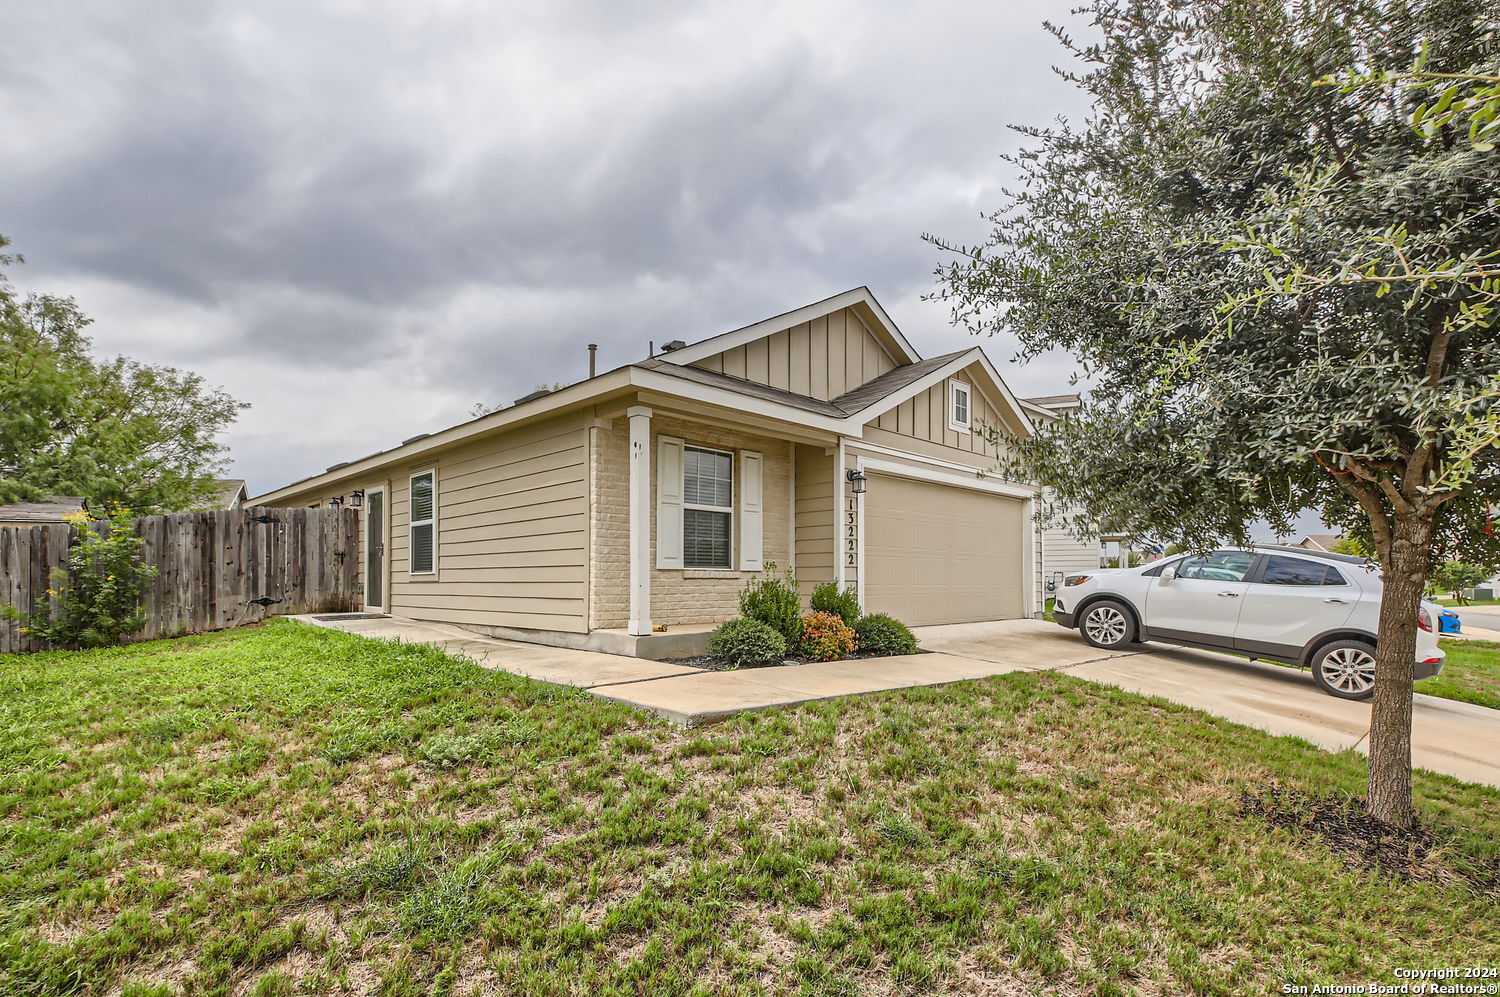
(363, 218)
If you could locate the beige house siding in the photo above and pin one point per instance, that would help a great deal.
(512, 530)
(823, 358)
(815, 537)
(685, 595)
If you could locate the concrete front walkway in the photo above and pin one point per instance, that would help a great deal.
(693, 697)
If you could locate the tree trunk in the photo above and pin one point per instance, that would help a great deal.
(1405, 569)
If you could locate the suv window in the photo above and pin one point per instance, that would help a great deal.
(1220, 566)
(1294, 571)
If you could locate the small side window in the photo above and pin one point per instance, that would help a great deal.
(959, 409)
(1294, 571)
(1334, 578)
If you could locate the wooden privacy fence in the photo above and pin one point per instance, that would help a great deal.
(215, 570)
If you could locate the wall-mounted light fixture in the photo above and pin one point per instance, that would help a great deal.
(336, 501)
(357, 497)
(857, 479)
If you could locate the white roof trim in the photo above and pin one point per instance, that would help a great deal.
(705, 348)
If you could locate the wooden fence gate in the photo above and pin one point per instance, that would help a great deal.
(215, 570)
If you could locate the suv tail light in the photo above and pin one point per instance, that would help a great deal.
(1424, 621)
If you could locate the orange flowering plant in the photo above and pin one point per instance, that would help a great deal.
(826, 637)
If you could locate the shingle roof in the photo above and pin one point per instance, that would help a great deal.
(845, 405)
(52, 509)
(1054, 401)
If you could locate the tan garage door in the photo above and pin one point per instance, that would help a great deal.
(941, 554)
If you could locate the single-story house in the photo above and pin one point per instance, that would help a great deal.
(228, 494)
(817, 440)
(1319, 541)
(52, 509)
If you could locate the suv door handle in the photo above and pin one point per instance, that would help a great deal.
(1337, 602)
(1232, 595)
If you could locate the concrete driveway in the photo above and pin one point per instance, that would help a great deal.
(1459, 739)
(1479, 622)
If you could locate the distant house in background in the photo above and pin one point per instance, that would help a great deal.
(1320, 541)
(52, 509)
(230, 494)
(1063, 553)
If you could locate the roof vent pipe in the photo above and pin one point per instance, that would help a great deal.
(593, 357)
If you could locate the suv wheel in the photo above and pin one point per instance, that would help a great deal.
(1107, 624)
(1346, 669)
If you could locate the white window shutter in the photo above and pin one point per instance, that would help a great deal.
(668, 502)
(752, 528)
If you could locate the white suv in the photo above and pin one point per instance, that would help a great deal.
(1302, 607)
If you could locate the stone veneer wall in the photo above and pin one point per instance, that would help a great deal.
(686, 596)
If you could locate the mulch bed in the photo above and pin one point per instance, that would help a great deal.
(710, 663)
(1365, 842)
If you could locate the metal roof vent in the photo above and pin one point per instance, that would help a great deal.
(335, 467)
(539, 392)
(675, 344)
(413, 439)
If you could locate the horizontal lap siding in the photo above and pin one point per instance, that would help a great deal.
(512, 532)
(823, 358)
(815, 526)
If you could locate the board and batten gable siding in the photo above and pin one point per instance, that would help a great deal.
(512, 530)
(823, 358)
(679, 595)
(920, 425)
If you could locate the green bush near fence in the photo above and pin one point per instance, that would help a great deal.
(96, 600)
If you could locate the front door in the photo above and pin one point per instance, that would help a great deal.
(375, 550)
(1202, 604)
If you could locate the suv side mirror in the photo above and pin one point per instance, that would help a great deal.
(1169, 572)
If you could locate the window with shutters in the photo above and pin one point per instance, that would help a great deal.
(707, 507)
(424, 523)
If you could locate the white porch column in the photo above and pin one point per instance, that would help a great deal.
(640, 519)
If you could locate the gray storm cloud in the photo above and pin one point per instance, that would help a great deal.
(362, 219)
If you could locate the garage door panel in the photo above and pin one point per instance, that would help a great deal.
(942, 554)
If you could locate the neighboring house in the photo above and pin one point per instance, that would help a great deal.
(229, 494)
(1063, 553)
(650, 494)
(1319, 541)
(52, 509)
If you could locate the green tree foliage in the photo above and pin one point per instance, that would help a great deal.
(1455, 576)
(96, 600)
(114, 431)
(1216, 243)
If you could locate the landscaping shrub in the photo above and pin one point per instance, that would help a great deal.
(843, 603)
(826, 637)
(96, 599)
(747, 642)
(774, 602)
(882, 634)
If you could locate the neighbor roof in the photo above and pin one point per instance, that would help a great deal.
(1055, 401)
(52, 509)
(1323, 540)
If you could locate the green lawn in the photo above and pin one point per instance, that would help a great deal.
(1471, 602)
(1470, 673)
(290, 810)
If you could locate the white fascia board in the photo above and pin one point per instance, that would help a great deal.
(655, 380)
(750, 333)
(570, 397)
(946, 477)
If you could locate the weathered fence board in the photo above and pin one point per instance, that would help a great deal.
(210, 568)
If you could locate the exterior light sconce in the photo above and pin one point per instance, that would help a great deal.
(336, 501)
(357, 498)
(857, 479)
